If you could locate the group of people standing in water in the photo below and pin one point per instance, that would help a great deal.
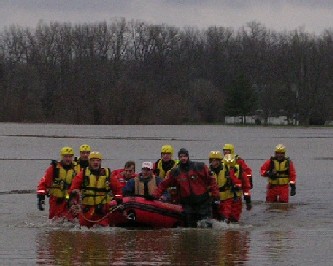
(205, 191)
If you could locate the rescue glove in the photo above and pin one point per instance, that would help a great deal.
(248, 202)
(41, 202)
(271, 174)
(118, 199)
(292, 189)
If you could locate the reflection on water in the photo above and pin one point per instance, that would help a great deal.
(143, 247)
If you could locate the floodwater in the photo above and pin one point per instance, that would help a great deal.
(298, 233)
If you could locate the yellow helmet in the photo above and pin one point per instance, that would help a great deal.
(229, 159)
(167, 149)
(280, 148)
(95, 155)
(229, 147)
(66, 151)
(85, 147)
(215, 155)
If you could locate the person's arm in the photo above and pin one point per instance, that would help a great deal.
(46, 181)
(213, 187)
(77, 182)
(129, 189)
(43, 187)
(265, 169)
(246, 186)
(168, 181)
(165, 196)
(236, 182)
(292, 178)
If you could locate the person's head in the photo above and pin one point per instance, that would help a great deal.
(166, 153)
(183, 155)
(129, 169)
(84, 152)
(95, 160)
(280, 152)
(229, 160)
(228, 149)
(215, 158)
(67, 155)
(147, 169)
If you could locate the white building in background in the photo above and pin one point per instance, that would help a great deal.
(253, 120)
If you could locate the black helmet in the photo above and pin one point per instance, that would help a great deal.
(183, 151)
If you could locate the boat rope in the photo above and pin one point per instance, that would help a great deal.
(75, 208)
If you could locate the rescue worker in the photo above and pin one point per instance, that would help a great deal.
(144, 184)
(194, 181)
(97, 189)
(232, 182)
(56, 182)
(215, 165)
(82, 161)
(281, 172)
(230, 149)
(165, 163)
(125, 174)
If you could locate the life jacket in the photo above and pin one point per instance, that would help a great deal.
(163, 168)
(140, 187)
(282, 170)
(227, 190)
(62, 178)
(96, 189)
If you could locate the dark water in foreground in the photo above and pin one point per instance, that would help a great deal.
(300, 232)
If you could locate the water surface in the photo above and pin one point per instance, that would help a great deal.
(300, 232)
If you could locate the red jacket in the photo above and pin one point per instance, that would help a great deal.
(118, 174)
(194, 183)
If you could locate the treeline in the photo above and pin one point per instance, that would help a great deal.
(129, 72)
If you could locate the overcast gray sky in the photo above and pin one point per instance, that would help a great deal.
(313, 15)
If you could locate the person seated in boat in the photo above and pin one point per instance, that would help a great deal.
(125, 174)
(56, 182)
(194, 182)
(163, 165)
(281, 173)
(96, 188)
(82, 161)
(144, 184)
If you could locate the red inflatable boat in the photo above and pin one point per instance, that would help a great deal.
(139, 212)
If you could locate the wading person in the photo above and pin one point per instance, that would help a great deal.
(82, 161)
(56, 182)
(96, 188)
(281, 174)
(230, 149)
(194, 181)
(163, 165)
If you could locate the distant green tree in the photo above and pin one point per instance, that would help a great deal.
(240, 98)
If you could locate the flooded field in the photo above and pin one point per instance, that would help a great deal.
(300, 232)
